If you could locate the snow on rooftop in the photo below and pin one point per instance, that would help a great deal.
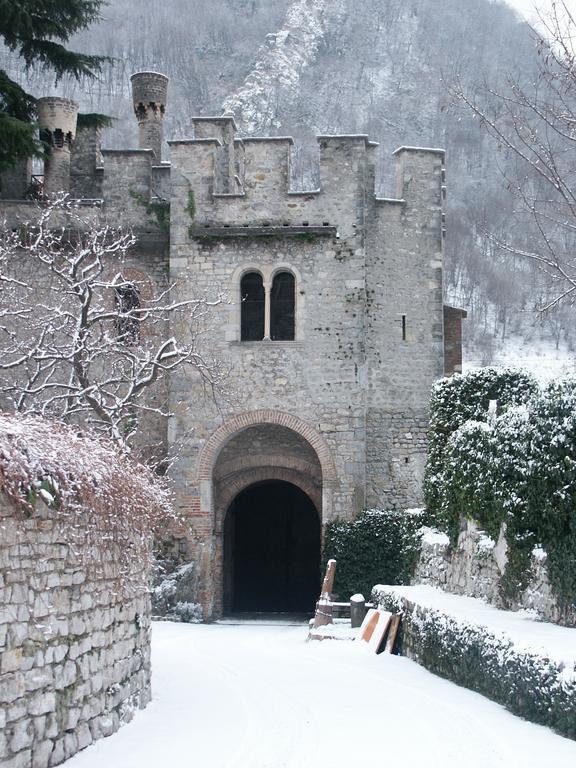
(438, 150)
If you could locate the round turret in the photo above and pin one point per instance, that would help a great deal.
(57, 120)
(149, 91)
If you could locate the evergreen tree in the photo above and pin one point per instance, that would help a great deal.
(38, 30)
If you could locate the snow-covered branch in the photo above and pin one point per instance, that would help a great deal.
(534, 122)
(81, 339)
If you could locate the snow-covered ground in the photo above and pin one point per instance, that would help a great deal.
(260, 696)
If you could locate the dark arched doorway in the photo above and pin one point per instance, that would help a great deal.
(271, 550)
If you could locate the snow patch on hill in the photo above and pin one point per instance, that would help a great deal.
(275, 76)
(539, 356)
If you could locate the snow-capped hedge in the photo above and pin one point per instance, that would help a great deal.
(527, 682)
(517, 468)
(378, 546)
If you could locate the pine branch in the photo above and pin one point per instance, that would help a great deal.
(58, 19)
(51, 55)
(17, 141)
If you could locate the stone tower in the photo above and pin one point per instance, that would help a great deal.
(57, 120)
(149, 91)
(333, 332)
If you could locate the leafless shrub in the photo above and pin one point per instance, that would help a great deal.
(78, 341)
(105, 506)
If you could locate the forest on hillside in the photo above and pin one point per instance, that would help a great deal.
(388, 68)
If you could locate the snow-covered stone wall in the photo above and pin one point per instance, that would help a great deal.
(526, 665)
(475, 567)
(74, 649)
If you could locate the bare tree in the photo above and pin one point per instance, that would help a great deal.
(78, 340)
(534, 122)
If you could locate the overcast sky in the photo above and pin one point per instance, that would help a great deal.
(527, 6)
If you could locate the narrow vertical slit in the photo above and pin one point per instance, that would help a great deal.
(403, 327)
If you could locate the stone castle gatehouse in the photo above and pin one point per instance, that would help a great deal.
(333, 331)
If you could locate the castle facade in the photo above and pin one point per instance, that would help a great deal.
(332, 330)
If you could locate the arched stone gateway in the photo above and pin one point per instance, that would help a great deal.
(242, 421)
(271, 550)
(266, 478)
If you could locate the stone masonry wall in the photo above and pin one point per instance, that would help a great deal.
(475, 566)
(404, 327)
(396, 442)
(74, 655)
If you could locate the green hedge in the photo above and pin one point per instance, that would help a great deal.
(377, 547)
(526, 683)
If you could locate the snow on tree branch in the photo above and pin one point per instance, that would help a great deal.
(78, 340)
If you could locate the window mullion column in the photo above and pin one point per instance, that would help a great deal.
(266, 311)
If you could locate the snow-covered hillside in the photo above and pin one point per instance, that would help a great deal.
(537, 355)
(276, 74)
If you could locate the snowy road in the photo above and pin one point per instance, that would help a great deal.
(255, 696)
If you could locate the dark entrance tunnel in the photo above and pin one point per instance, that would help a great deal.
(272, 550)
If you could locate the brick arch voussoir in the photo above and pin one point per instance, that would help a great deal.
(242, 421)
(248, 478)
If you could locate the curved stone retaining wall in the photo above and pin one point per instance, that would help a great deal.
(74, 653)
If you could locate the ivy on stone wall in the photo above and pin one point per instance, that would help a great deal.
(459, 399)
(517, 469)
(157, 206)
(378, 547)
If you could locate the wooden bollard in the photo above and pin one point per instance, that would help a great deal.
(328, 583)
(323, 613)
(357, 610)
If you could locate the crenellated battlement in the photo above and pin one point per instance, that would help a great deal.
(245, 182)
(234, 181)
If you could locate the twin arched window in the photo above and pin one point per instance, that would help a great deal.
(267, 312)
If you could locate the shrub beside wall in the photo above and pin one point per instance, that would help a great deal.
(526, 683)
(377, 547)
(457, 400)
